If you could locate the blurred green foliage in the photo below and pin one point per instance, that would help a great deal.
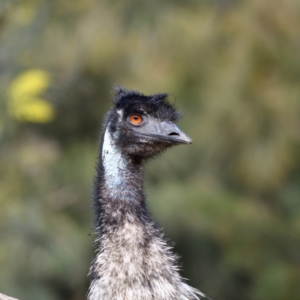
(231, 201)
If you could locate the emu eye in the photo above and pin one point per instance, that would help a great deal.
(135, 119)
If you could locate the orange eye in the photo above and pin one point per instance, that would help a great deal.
(135, 119)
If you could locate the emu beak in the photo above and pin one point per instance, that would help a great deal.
(173, 133)
(164, 131)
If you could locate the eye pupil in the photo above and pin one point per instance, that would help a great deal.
(135, 119)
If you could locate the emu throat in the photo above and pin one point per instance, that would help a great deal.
(113, 162)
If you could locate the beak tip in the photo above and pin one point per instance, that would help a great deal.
(183, 138)
(186, 140)
(189, 141)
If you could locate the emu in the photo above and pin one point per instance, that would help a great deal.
(133, 260)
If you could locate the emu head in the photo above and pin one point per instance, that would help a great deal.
(143, 126)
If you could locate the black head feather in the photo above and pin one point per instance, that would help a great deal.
(155, 105)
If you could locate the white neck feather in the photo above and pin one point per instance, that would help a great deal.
(113, 162)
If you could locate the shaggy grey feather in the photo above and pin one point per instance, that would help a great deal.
(133, 260)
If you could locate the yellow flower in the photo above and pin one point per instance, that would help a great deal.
(25, 103)
(34, 110)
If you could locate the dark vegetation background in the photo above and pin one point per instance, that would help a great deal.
(230, 201)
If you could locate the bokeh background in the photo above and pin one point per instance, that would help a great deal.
(230, 201)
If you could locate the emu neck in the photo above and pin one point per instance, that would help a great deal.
(133, 261)
(120, 185)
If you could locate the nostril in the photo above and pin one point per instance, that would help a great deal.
(174, 133)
